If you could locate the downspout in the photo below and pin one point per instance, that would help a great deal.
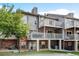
(44, 28)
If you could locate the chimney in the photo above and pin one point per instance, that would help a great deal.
(35, 10)
(70, 15)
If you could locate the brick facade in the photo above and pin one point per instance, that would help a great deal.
(12, 43)
(23, 42)
(8, 44)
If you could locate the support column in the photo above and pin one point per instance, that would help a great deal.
(37, 45)
(76, 45)
(63, 34)
(63, 44)
(63, 37)
(49, 45)
(44, 30)
(30, 45)
(60, 45)
(75, 31)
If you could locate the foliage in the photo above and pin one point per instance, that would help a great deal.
(11, 23)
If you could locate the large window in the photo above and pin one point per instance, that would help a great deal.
(69, 33)
(50, 22)
(49, 31)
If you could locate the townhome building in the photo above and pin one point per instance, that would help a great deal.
(48, 32)
(52, 31)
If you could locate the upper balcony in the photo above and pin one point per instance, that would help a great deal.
(76, 23)
(50, 23)
(71, 23)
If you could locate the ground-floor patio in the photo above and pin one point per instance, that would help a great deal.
(53, 44)
(37, 45)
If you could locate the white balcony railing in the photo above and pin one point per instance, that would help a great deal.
(38, 35)
(51, 23)
(72, 23)
(52, 36)
(58, 24)
(77, 36)
(76, 23)
(71, 37)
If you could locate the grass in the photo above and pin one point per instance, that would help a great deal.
(34, 52)
(76, 53)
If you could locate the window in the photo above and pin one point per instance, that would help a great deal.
(35, 22)
(50, 22)
(49, 31)
(69, 43)
(69, 33)
(43, 43)
(57, 19)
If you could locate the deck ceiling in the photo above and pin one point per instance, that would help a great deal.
(49, 27)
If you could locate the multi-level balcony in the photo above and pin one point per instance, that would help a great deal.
(45, 36)
(76, 23)
(52, 36)
(71, 23)
(50, 23)
(71, 37)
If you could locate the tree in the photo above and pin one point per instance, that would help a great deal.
(11, 23)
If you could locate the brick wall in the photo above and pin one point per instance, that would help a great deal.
(6, 44)
(23, 42)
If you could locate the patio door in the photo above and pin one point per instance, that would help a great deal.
(43, 44)
(69, 45)
(32, 45)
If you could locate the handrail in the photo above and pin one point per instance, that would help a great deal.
(53, 23)
(47, 35)
(40, 35)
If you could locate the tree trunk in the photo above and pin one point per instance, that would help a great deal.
(19, 46)
(20, 41)
(1, 43)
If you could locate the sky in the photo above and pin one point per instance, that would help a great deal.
(55, 8)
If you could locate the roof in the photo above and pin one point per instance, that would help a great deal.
(46, 16)
(28, 13)
(64, 16)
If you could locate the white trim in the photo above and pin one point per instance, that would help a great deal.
(37, 45)
(49, 44)
(60, 45)
(76, 46)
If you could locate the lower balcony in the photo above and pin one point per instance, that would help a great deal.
(71, 37)
(45, 36)
(52, 36)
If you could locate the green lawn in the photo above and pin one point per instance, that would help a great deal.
(34, 52)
